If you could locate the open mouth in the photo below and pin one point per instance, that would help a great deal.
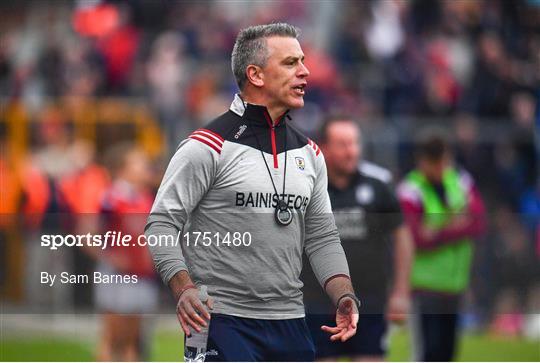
(300, 89)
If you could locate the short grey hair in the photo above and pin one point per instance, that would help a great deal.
(250, 47)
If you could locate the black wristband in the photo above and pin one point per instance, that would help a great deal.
(352, 297)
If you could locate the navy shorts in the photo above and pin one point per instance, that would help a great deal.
(238, 339)
(368, 340)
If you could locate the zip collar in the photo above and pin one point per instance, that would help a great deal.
(256, 113)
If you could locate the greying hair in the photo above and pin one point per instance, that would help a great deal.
(250, 47)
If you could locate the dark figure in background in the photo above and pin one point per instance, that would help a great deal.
(369, 219)
(445, 213)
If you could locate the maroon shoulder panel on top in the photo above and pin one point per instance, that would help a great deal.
(209, 138)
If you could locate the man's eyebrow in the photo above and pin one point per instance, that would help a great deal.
(293, 58)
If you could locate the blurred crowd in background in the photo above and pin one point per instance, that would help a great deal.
(471, 67)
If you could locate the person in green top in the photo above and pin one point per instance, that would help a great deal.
(445, 213)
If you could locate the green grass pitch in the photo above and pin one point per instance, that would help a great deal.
(167, 346)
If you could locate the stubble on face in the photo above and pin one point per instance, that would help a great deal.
(284, 74)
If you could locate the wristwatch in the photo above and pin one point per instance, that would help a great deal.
(352, 297)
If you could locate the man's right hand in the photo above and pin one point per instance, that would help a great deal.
(190, 311)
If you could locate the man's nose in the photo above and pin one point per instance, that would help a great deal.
(351, 151)
(303, 71)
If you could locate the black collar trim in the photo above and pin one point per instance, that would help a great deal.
(256, 113)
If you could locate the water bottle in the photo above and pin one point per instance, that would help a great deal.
(195, 348)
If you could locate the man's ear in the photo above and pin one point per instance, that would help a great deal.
(255, 75)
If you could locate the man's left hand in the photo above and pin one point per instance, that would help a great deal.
(346, 321)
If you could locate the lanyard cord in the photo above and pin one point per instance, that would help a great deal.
(262, 154)
(266, 163)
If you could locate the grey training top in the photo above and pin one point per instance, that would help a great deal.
(218, 183)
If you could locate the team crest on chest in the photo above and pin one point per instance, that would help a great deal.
(300, 163)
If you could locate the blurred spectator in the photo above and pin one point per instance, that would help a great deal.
(117, 40)
(81, 194)
(403, 81)
(515, 266)
(445, 212)
(82, 190)
(53, 154)
(82, 70)
(52, 160)
(474, 153)
(515, 157)
(441, 87)
(125, 207)
(489, 91)
(5, 67)
(384, 35)
(530, 211)
(24, 198)
(167, 72)
(522, 113)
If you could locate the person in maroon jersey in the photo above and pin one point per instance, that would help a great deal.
(446, 214)
(123, 299)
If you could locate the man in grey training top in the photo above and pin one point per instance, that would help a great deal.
(247, 194)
